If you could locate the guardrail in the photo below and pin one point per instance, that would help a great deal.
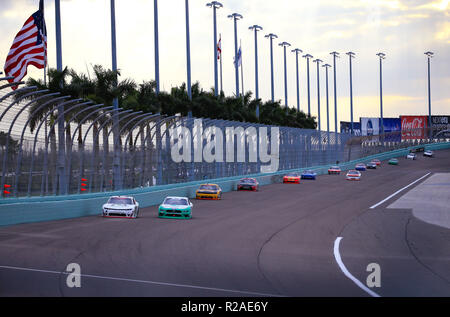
(38, 209)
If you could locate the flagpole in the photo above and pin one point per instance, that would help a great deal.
(188, 55)
(45, 46)
(221, 78)
(61, 121)
(242, 68)
(117, 181)
(58, 35)
(155, 6)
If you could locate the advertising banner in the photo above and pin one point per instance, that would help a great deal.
(392, 129)
(370, 126)
(346, 128)
(441, 124)
(414, 127)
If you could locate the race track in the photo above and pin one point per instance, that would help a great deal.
(280, 241)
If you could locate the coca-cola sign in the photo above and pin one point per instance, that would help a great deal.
(414, 127)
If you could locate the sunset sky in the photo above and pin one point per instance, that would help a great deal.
(402, 29)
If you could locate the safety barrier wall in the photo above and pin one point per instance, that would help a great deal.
(38, 209)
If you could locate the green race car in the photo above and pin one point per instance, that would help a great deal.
(393, 161)
(176, 208)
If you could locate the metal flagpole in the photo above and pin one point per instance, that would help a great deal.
(45, 43)
(215, 5)
(220, 56)
(61, 123)
(242, 69)
(236, 17)
(58, 35)
(156, 47)
(188, 54)
(116, 160)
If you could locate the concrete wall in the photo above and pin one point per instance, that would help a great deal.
(37, 209)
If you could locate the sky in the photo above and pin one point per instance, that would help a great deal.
(402, 29)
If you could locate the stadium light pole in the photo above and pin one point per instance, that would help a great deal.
(271, 36)
(335, 55)
(116, 159)
(308, 57)
(61, 138)
(318, 61)
(236, 17)
(256, 28)
(429, 57)
(155, 14)
(188, 55)
(381, 57)
(351, 55)
(297, 51)
(326, 66)
(58, 35)
(215, 5)
(284, 45)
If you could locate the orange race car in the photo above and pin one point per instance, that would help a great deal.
(292, 178)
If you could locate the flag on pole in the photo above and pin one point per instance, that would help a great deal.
(239, 57)
(219, 48)
(29, 47)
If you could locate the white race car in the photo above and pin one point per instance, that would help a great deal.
(353, 175)
(411, 156)
(428, 153)
(121, 207)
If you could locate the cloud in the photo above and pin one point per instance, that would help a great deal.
(441, 5)
(444, 33)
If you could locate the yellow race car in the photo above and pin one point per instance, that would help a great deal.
(209, 191)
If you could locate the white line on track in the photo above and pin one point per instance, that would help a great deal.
(337, 256)
(398, 192)
(142, 281)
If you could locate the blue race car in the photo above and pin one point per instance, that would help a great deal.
(361, 167)
(309, 175)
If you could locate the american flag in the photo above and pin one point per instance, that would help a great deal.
(219, 48)
(29, 47)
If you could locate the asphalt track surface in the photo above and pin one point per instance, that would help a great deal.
(279, 242)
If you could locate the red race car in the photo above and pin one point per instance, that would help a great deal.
(248, 184)
(292, 178)
(334, 170)
(376, 161)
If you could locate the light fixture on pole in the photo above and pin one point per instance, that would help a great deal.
(381, 56)
(318, 61)
(308, 57)
(326, 66)
(271, 36)
(429, 57)
(351, 55)
(155, 13)
(188, 55)
(284, 45)
(335, 55)
(297, 51)
(236, 17)
(215, 5)
(256, 28)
